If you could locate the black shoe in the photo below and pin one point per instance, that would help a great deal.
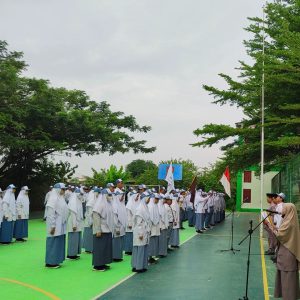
(73, 257)
(175, 247)
(128, 253)
(199, 231)
(52, 266)
(191, 225)
(141, 271)
(152, 261)
(106, 267)
(99, 269)
(182, 228)
(89, 252)
(170, 250)
(162, 256)
(133, 269)
(270, 252)
(20, 240)
(117, 259)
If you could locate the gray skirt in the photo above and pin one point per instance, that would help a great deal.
(128, 244)
(74, 243)
(55, 249)
(174, 240)
(163, 242)
(102, 249)
(153, 246)
(117, 246)
(88, 239)
(139, 259)
(287, 285)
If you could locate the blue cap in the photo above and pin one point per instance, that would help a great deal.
(11, 186)
(119, 181)
(77, 190)
(110, 185)
(59, 186)
(97, 190)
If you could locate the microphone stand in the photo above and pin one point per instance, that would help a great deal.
(250, 232)
(231, 247)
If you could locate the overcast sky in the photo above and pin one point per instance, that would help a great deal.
(148, 58)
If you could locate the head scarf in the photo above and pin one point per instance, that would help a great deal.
(75, 205)
(133, 202)
(102, 208)
(10, 199)
(153, 210)
(91, 198)
(142, 209)
(119, 209)
(23, 200)
(58, 203)
(288, 233)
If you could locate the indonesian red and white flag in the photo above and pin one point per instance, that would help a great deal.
(170, 179)
(225, 180)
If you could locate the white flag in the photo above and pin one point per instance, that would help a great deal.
(225, 180)
(170, 179)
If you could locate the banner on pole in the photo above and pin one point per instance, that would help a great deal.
(163, 169)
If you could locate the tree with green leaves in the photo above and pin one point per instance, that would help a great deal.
(139, 166)
(37, 120)
(280, 64)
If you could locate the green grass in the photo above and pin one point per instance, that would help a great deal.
(24, 262)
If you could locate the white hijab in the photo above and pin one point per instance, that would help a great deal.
(119, 209)
(143, 211)
(102, 208)
(91, 199)
(58, 203)
(10, 199)
(153, 211)
(132, 204)
(75, 205)
(23, 199)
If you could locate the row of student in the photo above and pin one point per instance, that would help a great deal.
(146, 227)
(14, 215)
(206, 210)
(284, 244)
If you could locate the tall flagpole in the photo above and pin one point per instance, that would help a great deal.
(262, 155)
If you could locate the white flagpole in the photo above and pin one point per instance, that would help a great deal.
(262, 155)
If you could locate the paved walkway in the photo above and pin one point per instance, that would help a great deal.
(198, 270)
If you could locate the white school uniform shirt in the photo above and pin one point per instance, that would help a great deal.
(120, 213)
(200, 203)
(75, 213)
(170, 213)
(56, 213)
(131, 206)
(22, 205)
(141, 225)
(278, 217)
(9, 205)
(176, 211)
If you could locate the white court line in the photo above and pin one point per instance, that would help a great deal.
(131, 275)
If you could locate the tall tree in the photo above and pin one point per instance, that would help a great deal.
(37, 120)
(282, 90)
(139, 166)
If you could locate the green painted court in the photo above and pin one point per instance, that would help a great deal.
(198, 270)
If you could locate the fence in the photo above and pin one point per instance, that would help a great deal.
(288, 182)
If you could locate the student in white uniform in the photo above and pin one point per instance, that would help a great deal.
(103, 228)
(200, 202)
(56, 221)
(9, 215)
(75, 223)
(22, 208)
(91, 200)
(131, 206)
(155, 228)
(279, 200)
(120, 220)
(46, 200)
(164, 224)
(141, 235)
(171, 213)
(174, 239)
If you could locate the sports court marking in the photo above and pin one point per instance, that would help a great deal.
(51, 296)
(131, 275)
(264, 270)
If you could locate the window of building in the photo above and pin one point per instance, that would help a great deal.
(246, 196)
(247, 176)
